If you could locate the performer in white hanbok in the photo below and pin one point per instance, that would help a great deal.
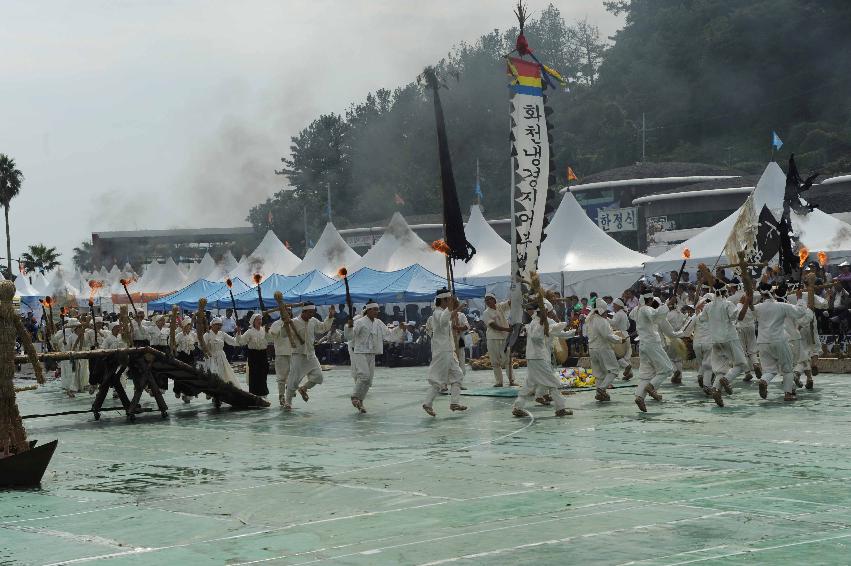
(283, 355)
(444, 370)
(62, 341)
(367, 336)
(304, 362)
(217, 361)
(600, 339)
(495, 318)
(655, 365)
(620, 321)
(540, 375)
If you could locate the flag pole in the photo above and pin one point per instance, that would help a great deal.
(329, 202)
(478, 186)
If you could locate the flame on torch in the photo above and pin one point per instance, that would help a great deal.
(822, 259)
(93, 288)
(48, 301)
(229, 283)
(803, 254)
(440, 246)
(257, 278)
(342, 272)
(686, 253)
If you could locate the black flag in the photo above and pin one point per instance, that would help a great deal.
(456, 240)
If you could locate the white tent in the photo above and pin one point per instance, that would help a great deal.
(60, 285)
(228, 262)
(818, 231)
(399, 247)
(149, 279)
(329, 254)
(579, 257)
(492, 252)
(169, 279)
(114, 274)
(270, 256)
(25, 289)
(40, 283)
(202, 269)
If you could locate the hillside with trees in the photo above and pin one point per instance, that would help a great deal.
(712, 79)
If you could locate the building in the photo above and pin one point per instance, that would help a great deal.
(142, 246)
(609, 197)
(429, 227)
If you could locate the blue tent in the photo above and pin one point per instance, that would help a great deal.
(414, 284)
(188, 297)
(292, 286)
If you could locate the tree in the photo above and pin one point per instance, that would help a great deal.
(11, 179)
(40, 258)
(83, 256)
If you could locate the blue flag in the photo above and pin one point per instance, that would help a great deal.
(478, 190)
(776, 142)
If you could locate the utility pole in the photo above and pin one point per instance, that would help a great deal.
(643, 138)
(306, 241)
(329, 202)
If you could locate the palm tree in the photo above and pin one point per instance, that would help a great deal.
(40, 258)
(10, 185)
(83, 256)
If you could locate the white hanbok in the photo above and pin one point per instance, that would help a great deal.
(216, 360)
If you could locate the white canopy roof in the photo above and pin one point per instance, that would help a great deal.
(170, 279)
(60, 286)
(579, 256)
(399, 247)
(149, 279)
(270, 256)
(228, 262)
(329, 254)
(25, 289)
(492, 252)
(818, 231)
(203, 269)
(40, 283)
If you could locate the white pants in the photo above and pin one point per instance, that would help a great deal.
(776, 358)
(626, 360)
(728, 359)
(444, 371)
(302, 365)
(282, 371)
(747, 338)
(703, 357)
(498, 357)
(541, 378)
(461, 352)
(69, 378)
(364, 368)
(655, 366)
(605, 366)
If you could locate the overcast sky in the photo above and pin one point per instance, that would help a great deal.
(148, 114)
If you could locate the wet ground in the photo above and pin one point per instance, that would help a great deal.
(758, 482)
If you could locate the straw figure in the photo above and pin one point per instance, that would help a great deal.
(13, 437)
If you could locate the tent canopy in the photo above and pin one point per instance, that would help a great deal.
(492, 252)
(818, 231)
(329, 254)
(293, 288)
(188, 297)
(270, 256)
(400, 247)
(413, 284)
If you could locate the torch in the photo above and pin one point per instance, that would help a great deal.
(125, 283)
(286, 320)
(686, 256)
(803, 254)
(257, 279)
(344, 273)
(62, 320)
(229, 283)
(442, 247)
(48, 329)
(94, 323)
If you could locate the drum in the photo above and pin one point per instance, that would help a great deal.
(623, 349)
(561, 349)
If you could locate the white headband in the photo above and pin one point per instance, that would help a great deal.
(371, 305)
(445, 295)
(308, 308)
(491, 295)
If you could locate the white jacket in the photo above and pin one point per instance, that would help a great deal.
(367, 336)
(309, 330)
(538, 345)
(599, 332)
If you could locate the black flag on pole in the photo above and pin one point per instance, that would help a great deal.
(456, 240)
